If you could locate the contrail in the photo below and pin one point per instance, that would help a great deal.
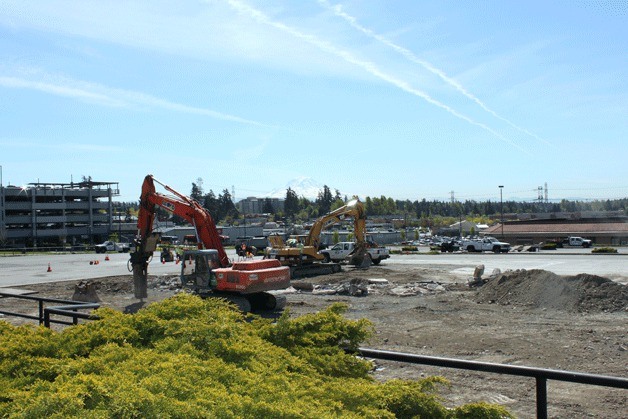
(367, 66)
(117, 98)
(338, 11)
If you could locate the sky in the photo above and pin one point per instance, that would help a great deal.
(403, 99)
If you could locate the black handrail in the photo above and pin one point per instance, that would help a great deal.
(70, 311)
(540, 374)
(69, 308)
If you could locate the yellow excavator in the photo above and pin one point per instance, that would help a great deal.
(301, 252)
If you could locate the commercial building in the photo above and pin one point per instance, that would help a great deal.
(43, 214)
(253, 205)
(603, 228)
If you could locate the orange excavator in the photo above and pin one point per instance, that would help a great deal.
(206, 270)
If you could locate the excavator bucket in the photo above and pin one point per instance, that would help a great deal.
(360, 258)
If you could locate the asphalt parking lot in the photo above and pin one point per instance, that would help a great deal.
(30, 269)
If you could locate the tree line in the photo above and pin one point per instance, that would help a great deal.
(422, 212)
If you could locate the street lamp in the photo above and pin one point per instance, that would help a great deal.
(501, 206)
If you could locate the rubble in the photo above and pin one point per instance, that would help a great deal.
(543, 289)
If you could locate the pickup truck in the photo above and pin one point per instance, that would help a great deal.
(340, 251)
(489, 244)
(577, 242)
(110, 246)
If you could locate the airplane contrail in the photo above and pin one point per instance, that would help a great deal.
(369, 67)
(338, 11)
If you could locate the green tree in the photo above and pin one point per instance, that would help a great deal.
(268, 206)
(211, 204)
(291, 205)
(337, 204)
(197, 190)
(226, 206)
(324, 201)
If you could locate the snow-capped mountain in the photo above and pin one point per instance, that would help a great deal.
(302, 186)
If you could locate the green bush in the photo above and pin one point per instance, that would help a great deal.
(189, 357)
(604, 250)
(409, 249)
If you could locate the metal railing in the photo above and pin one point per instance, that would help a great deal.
(539, 374)
(68, 308)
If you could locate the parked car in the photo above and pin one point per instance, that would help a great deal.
(110, 246)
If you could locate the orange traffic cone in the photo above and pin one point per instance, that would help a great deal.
(107, 257)
(49, 268)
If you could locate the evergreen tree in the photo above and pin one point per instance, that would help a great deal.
(291, 205)
(197, 190)
(226, 205)
(268, 206)
(210, 202)
(324, 201)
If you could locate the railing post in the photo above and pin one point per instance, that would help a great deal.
(541, 397)
(41, 312)
(47, 319)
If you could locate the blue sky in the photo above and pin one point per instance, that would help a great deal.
(406, 99)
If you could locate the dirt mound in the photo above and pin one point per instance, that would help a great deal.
(543, 289)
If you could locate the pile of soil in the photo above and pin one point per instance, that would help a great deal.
(542, 289)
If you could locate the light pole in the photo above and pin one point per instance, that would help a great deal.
(501, 206)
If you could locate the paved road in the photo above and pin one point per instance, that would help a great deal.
(24, 270)
(32, 269)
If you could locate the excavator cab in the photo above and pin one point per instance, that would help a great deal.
(197, 270)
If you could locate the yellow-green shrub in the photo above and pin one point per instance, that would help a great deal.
(189, 357)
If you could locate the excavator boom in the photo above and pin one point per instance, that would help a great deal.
(186, 208)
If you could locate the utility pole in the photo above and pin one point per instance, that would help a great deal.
(453, 202)
(501, 205)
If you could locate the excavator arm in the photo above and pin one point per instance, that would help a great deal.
(309, 252)
(178, 204)
(353, 208)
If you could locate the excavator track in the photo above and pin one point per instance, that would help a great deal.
(265, 301)
(314, 269)
(252, 303)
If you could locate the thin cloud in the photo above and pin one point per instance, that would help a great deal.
(104, 96)
(251, 153)
(17, 143)
(338, 11)
(369, 67)
(60, 90)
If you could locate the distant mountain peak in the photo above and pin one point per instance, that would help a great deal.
(302, 186)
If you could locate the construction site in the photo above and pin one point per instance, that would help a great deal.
(527, 317)
(531, 318)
